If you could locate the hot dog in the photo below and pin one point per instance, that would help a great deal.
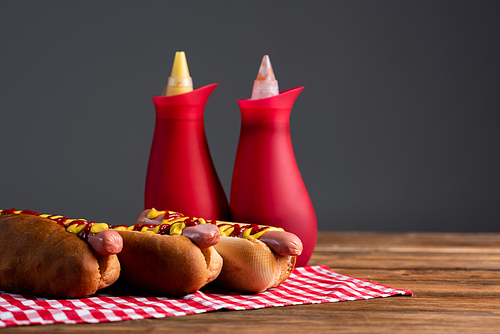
(164, 258)
(255, 257)
(39, 257)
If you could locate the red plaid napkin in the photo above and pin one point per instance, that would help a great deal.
(306, 285)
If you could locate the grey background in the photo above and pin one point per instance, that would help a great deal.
(396, 129)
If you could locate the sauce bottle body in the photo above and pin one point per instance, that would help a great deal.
(267, 187)
(181, 175)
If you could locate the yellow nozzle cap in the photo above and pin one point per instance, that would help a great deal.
(180, 67)
(179, 81)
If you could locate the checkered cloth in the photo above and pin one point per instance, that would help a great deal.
(306, 285)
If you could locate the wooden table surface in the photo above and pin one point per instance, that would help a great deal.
(455, 279)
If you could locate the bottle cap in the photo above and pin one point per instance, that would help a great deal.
(179, 81)
(266, 84)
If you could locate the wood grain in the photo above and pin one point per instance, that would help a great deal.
(455, 278)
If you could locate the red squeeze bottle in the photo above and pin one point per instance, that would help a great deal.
(267, 187)
(181, 175)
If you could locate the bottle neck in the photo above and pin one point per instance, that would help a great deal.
(188, 106)
(274, 109)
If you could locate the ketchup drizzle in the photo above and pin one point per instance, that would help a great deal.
(8, 211)
(191, 222)
(84, 234)
(164, 229)
(139, 227)
(239, 229)
(172, 216)
(61, 220)
(29, 212)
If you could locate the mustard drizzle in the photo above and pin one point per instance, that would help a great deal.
(177, 225)
(75, 226)
(225, 228)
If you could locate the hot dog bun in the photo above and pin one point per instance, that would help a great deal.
(169, 265)
(39, 257)
(250, 266)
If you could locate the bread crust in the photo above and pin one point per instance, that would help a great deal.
(109, 268)
(38, 257)
(251, 266)
(164, 264)
(214, 263)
